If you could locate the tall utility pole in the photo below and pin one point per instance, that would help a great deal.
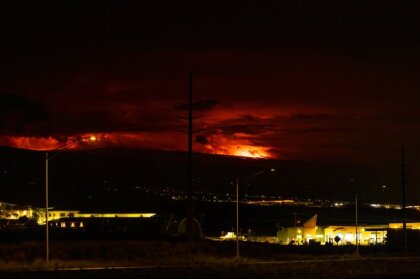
(357, 225)
(47, 237)
(190, 225)
(237, 218)
(190, 106)
(403, 199)
(48, 157)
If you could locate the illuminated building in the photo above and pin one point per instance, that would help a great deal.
(12, 212)
(412, 226)
(310, 233)
(60, 214)
(344, 235)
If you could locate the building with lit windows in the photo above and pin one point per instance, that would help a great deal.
(311, 233)
(60, 214)
(10, 211)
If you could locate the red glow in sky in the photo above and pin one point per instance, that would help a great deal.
(32, 143)
(241, 151)
(141, 140)
(334, 82)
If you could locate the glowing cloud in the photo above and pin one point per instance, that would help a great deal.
(239, 150)
(50, 143)
(251, 151)
(236, 145)
(32, 143)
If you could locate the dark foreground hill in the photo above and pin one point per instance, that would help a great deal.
(124, 176)
(203, 259)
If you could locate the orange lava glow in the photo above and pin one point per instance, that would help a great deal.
(33, 143)
(44, 144)
(237, 146)
(248, 151)
(251, 152)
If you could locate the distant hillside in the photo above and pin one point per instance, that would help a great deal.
(120, 175)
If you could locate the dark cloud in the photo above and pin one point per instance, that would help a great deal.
(23, 115)
(204, 105)
(302, 116)
(246, 124)
(308, 80)
(201, 139)
(201, 106)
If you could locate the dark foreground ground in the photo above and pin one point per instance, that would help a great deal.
(363, 268)
(201, 259)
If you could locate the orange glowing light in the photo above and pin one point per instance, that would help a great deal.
(241, 150)
(33, 143)
(251, 152)
(238, 145)
(44, 143)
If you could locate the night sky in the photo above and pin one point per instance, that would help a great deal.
(332, 81)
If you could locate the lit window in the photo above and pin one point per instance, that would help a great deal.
(62, 224)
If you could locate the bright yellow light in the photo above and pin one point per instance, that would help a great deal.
(250, 151)
(92, 138)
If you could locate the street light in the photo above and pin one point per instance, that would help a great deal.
(237, 205)
(48, 157)
(383, 187)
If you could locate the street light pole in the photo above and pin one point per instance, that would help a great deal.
(403, 199)
(357, 215)
(357, 235)
(47, 158)
(237, 218)
(47, 238)
(237, 206)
